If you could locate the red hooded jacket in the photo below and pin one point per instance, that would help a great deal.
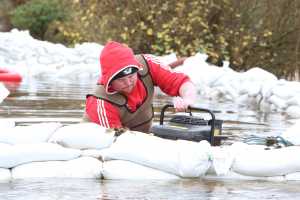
(114, 58)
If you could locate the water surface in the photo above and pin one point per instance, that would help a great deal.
(72, 189)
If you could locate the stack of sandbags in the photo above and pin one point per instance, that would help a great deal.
(285, 96)
(135, 155)
(292, 134)
(84, 138)
(22, 53)
(26, 144)
(87, 150)
(51, 150)
(255, 86)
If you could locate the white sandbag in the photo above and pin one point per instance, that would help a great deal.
(83, 167)
(278, 102)
(229, 92)
(200, 72)
(293, 176)
(243, 99)
(222, 158)
(121, 169)
(5, 175)
(83, 136)
(14, 155)
(292, 134)
(265, 106)
(257, 74)
(293, 111)
(283, 92)
(266, 88)
(251, 88)
(182, 158)
(286, 89)
(34, 133)
(293, 101)
(255, 161)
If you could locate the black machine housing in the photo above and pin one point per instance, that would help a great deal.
(189, 127)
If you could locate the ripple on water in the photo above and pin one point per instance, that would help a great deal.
(53, 188)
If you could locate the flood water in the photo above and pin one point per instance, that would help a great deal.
(51, 100)
(72, 189)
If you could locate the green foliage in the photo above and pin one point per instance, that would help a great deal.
(36, 15)
(154, 26)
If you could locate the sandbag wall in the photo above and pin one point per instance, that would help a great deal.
(34, 58)
(87, 150)
(252, 87)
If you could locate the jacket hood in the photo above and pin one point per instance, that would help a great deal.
(114, 58)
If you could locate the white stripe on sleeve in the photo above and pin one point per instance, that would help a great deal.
(102, 114)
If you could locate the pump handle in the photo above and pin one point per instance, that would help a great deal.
(211, 137)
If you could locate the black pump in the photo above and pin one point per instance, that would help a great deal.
(189, 127)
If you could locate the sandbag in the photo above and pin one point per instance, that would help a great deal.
(293, 176)
(5, 175)
(121, 169)
(34, 133)
(83, 167)
(278, 102)
(180, 157)
(293, 111)
(83, 136)
(292, 134)
(14, 155)
(256, 161)
(222, 158)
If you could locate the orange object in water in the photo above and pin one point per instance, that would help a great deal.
(8, 76)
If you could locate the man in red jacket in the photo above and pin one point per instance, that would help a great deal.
(124, 93)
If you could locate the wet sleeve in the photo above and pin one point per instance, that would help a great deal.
(165, 78)
(103, 113)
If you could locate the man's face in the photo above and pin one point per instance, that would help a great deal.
(124, 84)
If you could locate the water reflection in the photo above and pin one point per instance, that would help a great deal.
(63, 189)
(46, 98)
